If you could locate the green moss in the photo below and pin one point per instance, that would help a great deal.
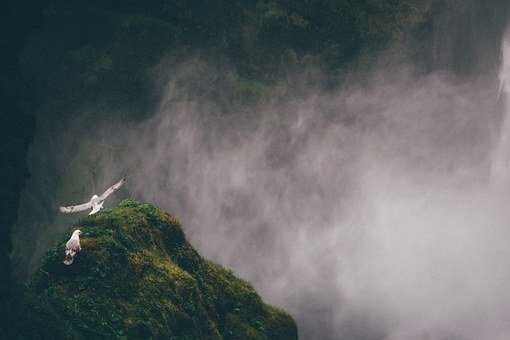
(138, 278)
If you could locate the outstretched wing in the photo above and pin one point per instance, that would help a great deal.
(112, 189)
(76, 208)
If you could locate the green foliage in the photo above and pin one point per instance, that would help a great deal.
(138, 278)
(111, 45)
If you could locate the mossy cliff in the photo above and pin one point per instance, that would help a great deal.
(138, 278)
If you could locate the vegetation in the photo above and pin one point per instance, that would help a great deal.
(108, 44)
(138, 278)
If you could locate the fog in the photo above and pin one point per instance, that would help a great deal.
(374, 211)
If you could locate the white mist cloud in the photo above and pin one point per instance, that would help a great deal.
(364, 212)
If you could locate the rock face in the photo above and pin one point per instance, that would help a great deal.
(138, 278)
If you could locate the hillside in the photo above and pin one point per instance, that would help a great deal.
(138, 278)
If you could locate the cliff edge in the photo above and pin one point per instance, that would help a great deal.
(138, 278)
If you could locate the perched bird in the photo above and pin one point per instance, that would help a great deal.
(72, 247)
(95, 203)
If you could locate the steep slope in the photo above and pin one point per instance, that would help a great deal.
(138, 278)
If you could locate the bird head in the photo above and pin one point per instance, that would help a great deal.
(77, 232)
(94, 197)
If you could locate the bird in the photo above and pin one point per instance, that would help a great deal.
(72, 247)
(95, 203)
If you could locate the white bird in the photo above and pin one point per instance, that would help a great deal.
(72, 247)
(95, 203)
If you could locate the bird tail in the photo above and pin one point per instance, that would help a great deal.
(69, 258)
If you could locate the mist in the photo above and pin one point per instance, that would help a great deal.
(368, 212)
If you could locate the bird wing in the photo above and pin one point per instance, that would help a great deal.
(112, 189)
(73, 244)
(75, 208)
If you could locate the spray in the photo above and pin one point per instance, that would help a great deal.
(501, 158)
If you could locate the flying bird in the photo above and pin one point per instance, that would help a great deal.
(95, 203)
(72, 247)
